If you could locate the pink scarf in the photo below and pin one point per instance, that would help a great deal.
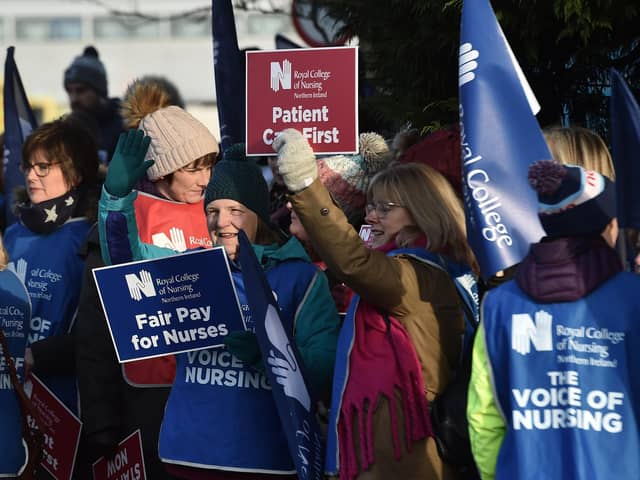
(383, 360)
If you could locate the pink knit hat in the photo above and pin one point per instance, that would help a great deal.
(348, 177)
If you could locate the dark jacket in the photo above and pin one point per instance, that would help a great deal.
(566, 269)
(110, 125)
(110, 408)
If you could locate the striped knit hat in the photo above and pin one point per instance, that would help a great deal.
(571, 200)
(348, 177)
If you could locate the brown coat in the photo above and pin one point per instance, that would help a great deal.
(422, 297)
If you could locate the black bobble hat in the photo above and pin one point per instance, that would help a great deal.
(237, 178)
(88, 69)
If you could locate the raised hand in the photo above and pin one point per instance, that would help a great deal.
(296, 160)
(128, 164)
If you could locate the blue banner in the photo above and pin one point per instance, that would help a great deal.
(19, 121)
(625, 145)
(15, 314)
(229, 72)
(500, 138)
(283, 43)
(283, 368)
(169, 305)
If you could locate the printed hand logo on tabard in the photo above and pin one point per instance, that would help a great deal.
(20, 269)
(282, 360)
(175, 241)
(524, 332)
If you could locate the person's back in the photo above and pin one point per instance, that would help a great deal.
(568, 390)
(552, 362)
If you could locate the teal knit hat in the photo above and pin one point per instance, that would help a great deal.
(237, 178)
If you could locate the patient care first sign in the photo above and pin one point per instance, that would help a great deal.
(313, 90)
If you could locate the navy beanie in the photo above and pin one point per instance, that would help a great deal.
(237, 178)
(88, 69)
(572, 201)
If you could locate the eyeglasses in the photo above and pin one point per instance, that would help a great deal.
(42, 169)
(381, 208)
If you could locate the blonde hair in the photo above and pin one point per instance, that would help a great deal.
(580, 146)
(4, 256)
(432, 204)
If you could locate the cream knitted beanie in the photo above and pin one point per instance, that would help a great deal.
(177, 139)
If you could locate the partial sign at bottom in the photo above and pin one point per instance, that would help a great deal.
(126, 464)
(61, 429)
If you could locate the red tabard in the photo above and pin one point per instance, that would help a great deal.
(175, 225)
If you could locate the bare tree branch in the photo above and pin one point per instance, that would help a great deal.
(199, 13)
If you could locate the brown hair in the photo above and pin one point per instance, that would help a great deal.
(580, 146)
(432, 204)
(67, 142)
(206, 161)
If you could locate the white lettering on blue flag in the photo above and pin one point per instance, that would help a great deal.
(500, 138)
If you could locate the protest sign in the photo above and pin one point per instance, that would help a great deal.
(283, 369)
(169, 305)
(126, 464)
(312, 90)
(61, 429)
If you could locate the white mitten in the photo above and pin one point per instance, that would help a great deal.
(296, 160)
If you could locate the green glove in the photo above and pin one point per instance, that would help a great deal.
(244, 346)
(128, 164)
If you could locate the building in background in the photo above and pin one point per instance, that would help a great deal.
(48, 34)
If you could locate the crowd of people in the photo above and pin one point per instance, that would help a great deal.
(380, 326)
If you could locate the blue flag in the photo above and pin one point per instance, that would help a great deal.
(500, 138)
(283, 43)
(625, 145)
(283, 368)
(19, 121)
(228, 66)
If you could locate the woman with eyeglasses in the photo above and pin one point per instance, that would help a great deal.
(55, 212)
(402, 337)
(346, 177)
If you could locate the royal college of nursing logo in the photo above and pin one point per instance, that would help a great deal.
(140, 284)
(282, 360)
(467, 63)
(281, 75)
(524, 332)
(175, 240)
(19, 268)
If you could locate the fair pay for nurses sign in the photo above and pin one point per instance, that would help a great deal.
(169, 305)
(313, 90)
